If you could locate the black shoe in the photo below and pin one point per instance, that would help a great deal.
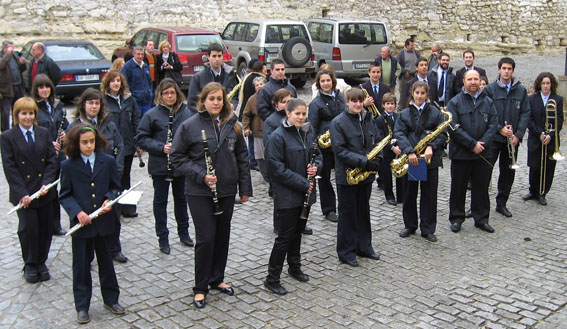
(228, 290)
(130, 215)
(504, 211)
(406, 232)
(83, 317)
(529, 196)
(430, 237)
(115, 309)
(391, 202)
(353, 263)
(276, 288)
(165, 249)
(43, 273)
(119, 257)
(468, 214)
(332, 217)
(187, 241)
(455, 227)
(372, 256)
(299, 275)
(307, 230)
(542, 200)
(31, 274)
(485, 227)
(60, 232)
(199, 303)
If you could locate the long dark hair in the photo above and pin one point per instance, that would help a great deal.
(539, 80)
(42, 80)
(87, 95)
(71, 146)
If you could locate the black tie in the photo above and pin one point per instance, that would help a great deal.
(30, 140)
(375, 94)
(89, 166)
(442, 85)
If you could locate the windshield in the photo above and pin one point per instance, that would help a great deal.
(362, 33)
(282, 33)
(75, 52)
(196, 43)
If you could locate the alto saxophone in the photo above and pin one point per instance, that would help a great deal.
(356, 175)
(324, 140)
(400, 165)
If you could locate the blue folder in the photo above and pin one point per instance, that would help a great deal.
(419, 172)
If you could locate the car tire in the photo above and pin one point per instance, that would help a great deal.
(297, 51)
(242, 69)
(298, 83)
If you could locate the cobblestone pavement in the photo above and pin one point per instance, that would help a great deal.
(514, 278)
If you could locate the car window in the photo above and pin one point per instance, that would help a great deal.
(282, 33)
(252, 32)
(75, 52)
(154, 36)
(321, 32)
(239, 32)
(26, 51)
(362, 33)
(228, 33)
(162, 37)
(196, 43)
(138, 39)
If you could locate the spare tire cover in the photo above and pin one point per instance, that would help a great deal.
(296, 51)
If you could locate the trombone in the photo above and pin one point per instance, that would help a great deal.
(511, 150)
(550, 128)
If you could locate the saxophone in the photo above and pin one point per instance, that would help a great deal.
(400, 166)
(356, 175)
(324, 140)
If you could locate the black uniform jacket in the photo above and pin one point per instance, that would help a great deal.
(537, 125)
(228, 152)
(382, 89)
(451, 88)
(27, 171)
(266, 96)
(382, 123)
(323, 109)
(460, 75)
(126, 117)
(54, 120)
(205, 76)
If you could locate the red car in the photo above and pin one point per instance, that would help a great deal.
(189, 43)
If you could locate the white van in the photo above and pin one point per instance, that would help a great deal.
(349, 45)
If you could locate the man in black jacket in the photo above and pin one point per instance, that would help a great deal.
(474, 128)
(468, 58)
(276, 82)
(443, 81)
(422, 69)
(41, 63)
(513, 108)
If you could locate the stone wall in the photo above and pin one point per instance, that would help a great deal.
(488, 26)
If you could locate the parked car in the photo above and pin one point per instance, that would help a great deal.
(349, 45)
(267, 39)
(189, 43)
(81, 62)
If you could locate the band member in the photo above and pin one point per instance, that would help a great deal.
(414, 124)
(29, 162)
(253, 126)
(292, 165)
(211, 186)
(91, 110)
(123, 111)
(386, 123)
(155, 135)
(474, 127)
(545, 88)
(374, 87)
(443, 81)
(89, 180)
(468, 58)
(353, 135)
(512, 106)
(328, 104)
(51, 115)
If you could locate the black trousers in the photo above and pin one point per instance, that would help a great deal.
(213, 235)
(83, 253)
(427, 202)
(535, 172)
(125, 182)
(287, 243)
(354, 235)
(113, 240)
(35, 230)
(506, 177)
(479, 173)
(326, 191)
(387, 181)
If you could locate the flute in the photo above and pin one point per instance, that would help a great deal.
(97, 212)
(34, 196)
(306, 207)
(211, 171)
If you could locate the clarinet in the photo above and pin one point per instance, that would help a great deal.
(141, 162)
(60, 131)
(168, 141)
(306, 207)
(211, 171)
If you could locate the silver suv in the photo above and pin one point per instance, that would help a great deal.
(268, 39)
(349, 45)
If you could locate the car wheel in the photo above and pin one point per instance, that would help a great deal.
(242, 69)
(298, 83)
(297, 51)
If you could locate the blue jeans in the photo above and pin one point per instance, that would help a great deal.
(161, 193)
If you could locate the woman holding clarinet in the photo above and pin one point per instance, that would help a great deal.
(209, 149)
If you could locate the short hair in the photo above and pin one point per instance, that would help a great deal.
(441, 55)
(469, 71)
(294, 103)
(421, 59)
(87, 95)
(331, 75)
(259, 79)
(354, 94)
(72, 147)
(24, 104)
(5, 43)
(389, 98)
(146, 41)
(275, 62)
(111, 75)
(387, 48)
(164, 85)
(39, 45)
(258, 66)
(539, 80)
(506, 60)
(374, 64)
(214, 47)
(468, 51)
(162, 44)
(408, 41)
(42, 80)
(419, 84)
(138, 48)
(436, 46)
(281, 94)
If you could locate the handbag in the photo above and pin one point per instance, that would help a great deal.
(173, 74)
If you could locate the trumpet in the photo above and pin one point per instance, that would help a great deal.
(511, 150)
(324, 140)
(550, 128)
(372, 107)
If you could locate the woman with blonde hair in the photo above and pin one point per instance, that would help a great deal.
(168, 64)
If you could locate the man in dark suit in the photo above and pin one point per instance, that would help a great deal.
(41, 63)
(468, 58)
(443, 80)
(374, 87)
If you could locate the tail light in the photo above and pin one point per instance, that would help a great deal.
(227, 56)
(261, 55)
(67, 77)
(312, 57)
(183, 59)
(336, 54)
(102, 75)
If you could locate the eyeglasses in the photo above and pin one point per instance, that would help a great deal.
(169, 93)
(93, 102)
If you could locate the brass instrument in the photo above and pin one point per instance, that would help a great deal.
(211, 171)
(372, 107)
(550, 128)
(235, 89)
(400, 166)
(511, 150)
(324, 140)
(356, 175)
(169, 177)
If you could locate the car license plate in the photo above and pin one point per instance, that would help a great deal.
(362, 66)
(272, 56)
(198, 68)
(89, 77)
